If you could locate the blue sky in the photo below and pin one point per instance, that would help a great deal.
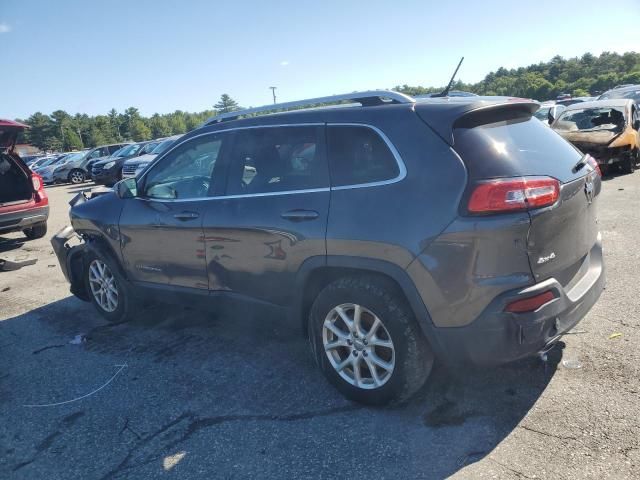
(89, 56)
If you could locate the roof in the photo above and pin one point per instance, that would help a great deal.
(441, 114)
(11, 123)
(614, 102)
(624, 88)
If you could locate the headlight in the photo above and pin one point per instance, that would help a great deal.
(109, 164)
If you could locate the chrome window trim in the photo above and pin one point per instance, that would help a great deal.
(402, 170)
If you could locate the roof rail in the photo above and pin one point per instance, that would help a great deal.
(369, 98)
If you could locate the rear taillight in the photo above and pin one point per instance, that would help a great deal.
(530, 304)
(38, 187)
(594, 164)
(509, 194)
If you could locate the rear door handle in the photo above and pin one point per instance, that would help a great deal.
(186, 216)
(300, 215)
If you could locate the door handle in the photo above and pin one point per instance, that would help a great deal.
(186, 215)
(300, 215)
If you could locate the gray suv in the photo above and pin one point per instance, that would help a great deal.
(394, 232)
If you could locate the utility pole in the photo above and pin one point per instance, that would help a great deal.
(273, 91)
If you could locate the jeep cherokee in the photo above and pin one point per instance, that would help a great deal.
(394, 231)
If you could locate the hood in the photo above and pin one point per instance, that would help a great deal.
(147, 157)
(93, 161)
(602, 137)
(9, 131)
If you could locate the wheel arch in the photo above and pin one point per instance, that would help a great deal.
(318, 272)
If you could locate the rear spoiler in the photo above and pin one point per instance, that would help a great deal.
(443, 116)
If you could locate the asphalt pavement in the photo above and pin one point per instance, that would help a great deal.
(234, 393)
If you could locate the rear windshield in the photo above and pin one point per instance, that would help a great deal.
(515, 147)
(591, 120)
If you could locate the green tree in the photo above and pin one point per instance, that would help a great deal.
(226, 104)
(139, 131)
(159, 126)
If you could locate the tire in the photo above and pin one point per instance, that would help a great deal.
(39, 230)
(408, 361)
(125, 305)
(629, 164)
(76, 176)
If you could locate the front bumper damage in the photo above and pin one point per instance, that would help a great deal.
(71, 259)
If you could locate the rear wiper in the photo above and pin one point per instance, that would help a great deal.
(578, 166)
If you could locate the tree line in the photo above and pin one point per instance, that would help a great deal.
(61, 131)
(579, 76)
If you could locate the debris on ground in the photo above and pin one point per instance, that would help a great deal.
(6, 289)
(615, 335)
(16, 262)
(572, 364)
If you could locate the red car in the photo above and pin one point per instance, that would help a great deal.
(23, 201)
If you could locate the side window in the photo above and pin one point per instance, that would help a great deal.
(277, 159)
(113, 148)
(96, 153)
(186, 172)
(358, 155)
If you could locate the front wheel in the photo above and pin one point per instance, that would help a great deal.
(366, 341)
(106, 288)
(76, 176)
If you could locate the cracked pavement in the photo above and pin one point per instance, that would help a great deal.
(234, 393)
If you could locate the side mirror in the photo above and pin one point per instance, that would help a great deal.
(126, 188)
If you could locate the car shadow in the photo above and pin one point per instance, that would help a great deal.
(236, 391)
(9, 244)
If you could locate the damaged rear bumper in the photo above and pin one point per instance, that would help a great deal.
(497, 337)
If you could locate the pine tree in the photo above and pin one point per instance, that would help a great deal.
(226, 104)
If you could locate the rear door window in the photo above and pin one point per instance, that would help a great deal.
(358, 155)
(277, 159)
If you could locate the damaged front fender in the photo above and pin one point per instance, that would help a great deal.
(71, 259)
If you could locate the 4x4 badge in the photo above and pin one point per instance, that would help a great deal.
(589, 187)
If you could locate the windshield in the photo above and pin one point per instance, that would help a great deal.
(149, 147)
(129, 150)
(52, 161)
(591, 119)
(74, 156)
(542, 114)
(630, 94)
(118, 153)
(162, 146)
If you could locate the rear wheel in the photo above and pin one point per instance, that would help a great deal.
(366, 341)
(76, 176)
(629, 164)
(39, 230)
(106, 288)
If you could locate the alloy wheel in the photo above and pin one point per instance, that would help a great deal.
(77, 177)
(358, 346)
(103, 286)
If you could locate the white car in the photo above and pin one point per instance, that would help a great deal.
(549, 112)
